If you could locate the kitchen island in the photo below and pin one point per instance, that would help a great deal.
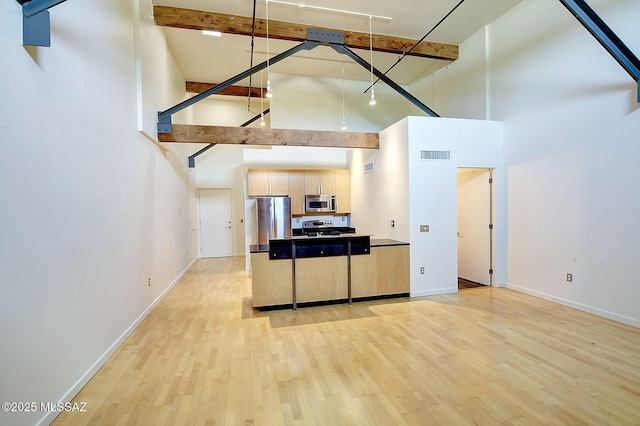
(303, 271)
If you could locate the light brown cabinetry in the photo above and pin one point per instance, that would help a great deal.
(296, 191)
(267, 182)
(364, 281)
(392, 269)
(320, 182)
(336, 182)
(343, 191)
(297, 183)
(271, 281)
(321, 278)
(385, 271)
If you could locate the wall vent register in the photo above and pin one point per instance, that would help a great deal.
(435, 155)
(368, 168)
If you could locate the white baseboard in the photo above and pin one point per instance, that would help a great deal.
(71, 393)
(433, 292)
(578, 306)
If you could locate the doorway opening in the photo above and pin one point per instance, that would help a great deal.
(475, 227)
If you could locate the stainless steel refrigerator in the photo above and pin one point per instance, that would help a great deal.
(274, 218)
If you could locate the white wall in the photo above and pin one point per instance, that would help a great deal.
(415, 192)
(228, 111)
(571, 130)
(212, 172)
(380, 196)
(91, 208)
(433, 196)
(316, 104)
(222, 166)
(572, 151)
(466, 78)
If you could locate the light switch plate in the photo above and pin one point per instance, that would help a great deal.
(424, 228)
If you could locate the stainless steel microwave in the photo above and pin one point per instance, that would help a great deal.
(320, 203)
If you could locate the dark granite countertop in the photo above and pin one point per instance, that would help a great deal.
(379, 242)
(262, 248)
(384, 242)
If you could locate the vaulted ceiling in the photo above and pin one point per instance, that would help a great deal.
(211, 59)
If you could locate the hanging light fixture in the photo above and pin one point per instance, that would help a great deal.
(372, 101)
(262, 123)
(269, 91)
(344, 118)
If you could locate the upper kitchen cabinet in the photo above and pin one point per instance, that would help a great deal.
(296, 191)
(298, 183)
(267, 182)
(343, 191)
(320, 182)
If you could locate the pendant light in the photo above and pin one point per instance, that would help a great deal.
(262, 123)
(344, 118)
(269, 91)
(372, 101)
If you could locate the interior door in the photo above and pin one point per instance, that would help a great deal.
(216, 232)
(474, 217)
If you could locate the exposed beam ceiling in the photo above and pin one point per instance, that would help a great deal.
(198, 87)
(182, 133)
(174, 17)
(214, 59)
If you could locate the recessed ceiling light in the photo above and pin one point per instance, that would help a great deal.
(212, 33)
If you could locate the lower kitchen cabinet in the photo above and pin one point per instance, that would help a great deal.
(364, 276)
(271, 281)
(384, 272)
(392, 270)
(321, 278)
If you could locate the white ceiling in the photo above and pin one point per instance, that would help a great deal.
(211, 59)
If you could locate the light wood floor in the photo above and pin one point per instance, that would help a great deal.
(483, 356)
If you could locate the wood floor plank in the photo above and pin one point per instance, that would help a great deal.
(487, 356)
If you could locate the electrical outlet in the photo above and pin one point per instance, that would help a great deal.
(393, 223)
(570, 277)
(422, 270)
(424, 228)
(149, 282)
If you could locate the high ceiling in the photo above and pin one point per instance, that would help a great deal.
(211, 59)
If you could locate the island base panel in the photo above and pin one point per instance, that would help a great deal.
(271, 281)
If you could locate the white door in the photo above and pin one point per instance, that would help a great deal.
(474, 235)
(216, 232)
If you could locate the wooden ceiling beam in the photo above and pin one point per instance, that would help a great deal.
(198, 87)
(175, 17)
(182, 133)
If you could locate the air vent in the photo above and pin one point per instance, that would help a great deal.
(368, 168)
(435, 155)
